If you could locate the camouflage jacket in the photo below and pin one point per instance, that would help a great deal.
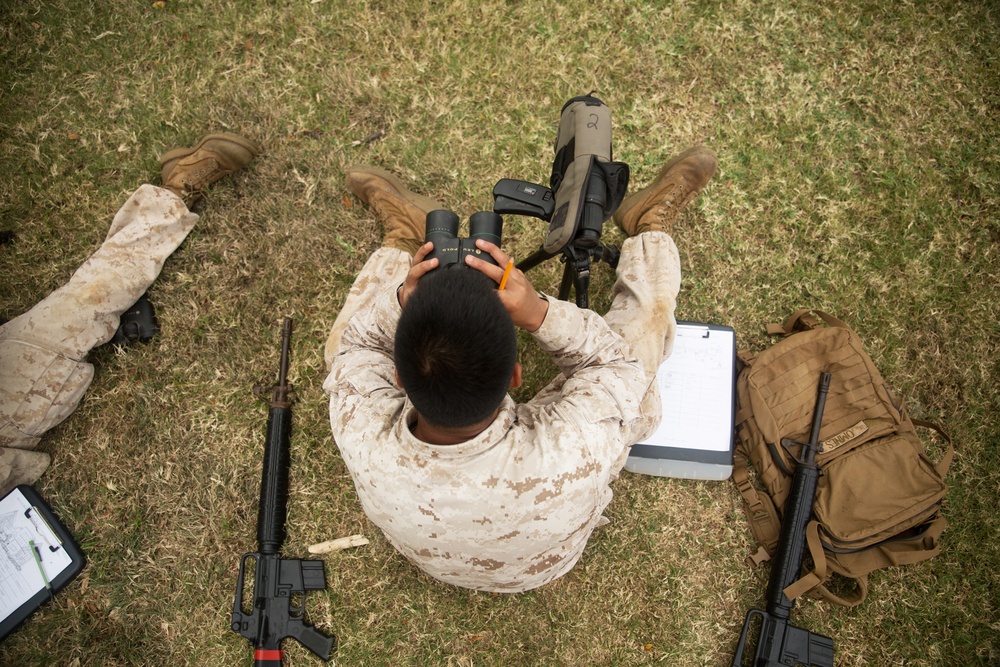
(512, 509)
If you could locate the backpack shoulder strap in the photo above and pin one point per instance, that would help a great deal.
(760, 511)
(814, 581)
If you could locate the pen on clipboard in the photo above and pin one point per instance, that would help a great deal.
(41, 570)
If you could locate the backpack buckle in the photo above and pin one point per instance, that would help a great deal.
(758, 557)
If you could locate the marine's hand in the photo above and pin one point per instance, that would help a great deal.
(418, 267)
(522, 302)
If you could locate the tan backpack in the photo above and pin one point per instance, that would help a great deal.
(878, 499)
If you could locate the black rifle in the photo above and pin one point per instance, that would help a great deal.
(781, 644)
(280, 584)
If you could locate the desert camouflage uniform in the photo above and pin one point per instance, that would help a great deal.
(43, 368)
(513, 508)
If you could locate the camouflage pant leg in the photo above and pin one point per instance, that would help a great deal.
(43, 372)
(645, 297)
(386, 268)
(642, 312)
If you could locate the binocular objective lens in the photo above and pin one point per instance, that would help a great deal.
(485, 225)
(442, 223)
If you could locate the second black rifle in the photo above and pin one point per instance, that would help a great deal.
(779, 643)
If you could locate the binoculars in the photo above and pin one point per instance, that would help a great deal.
(449, 249)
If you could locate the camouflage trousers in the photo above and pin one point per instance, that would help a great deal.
(647, 282)
(43, 368)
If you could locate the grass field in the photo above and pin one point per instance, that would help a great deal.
(858, 175)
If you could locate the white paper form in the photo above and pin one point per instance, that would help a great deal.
(696, 389)
(21, 574)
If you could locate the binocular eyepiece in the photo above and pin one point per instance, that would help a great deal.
(449, 249)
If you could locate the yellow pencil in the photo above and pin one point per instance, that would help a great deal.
(506, 275)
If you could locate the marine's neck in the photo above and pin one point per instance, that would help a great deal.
(441, 435)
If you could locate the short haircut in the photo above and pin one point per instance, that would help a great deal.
(455, 348)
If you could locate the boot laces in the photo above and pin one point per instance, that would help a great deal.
(669, 204)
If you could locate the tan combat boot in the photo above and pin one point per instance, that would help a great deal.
(403, 213)
(656, 208)
(188, 171)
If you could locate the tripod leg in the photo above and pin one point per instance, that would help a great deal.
(583, 284)
(567, 280)
(578, 271)
(534, 259)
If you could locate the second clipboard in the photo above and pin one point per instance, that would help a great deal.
(40, 551)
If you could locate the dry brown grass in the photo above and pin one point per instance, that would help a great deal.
(858, 175)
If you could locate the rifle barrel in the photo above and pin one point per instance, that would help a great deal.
(286, 341)
(778, 641)
(274, 483)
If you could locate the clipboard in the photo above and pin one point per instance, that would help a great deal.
(38, 556)
(697, 383)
